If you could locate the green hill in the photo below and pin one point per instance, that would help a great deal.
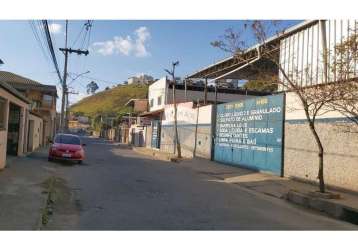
(109, 102)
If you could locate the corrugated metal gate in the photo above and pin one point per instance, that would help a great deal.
(156, 134)
(249, 133)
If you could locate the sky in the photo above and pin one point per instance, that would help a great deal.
(118, 49)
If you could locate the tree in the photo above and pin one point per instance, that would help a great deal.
(344, 67)
(176, 136)
(92, 87)
(260, 86)
(314, 99)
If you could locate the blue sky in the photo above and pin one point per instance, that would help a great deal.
(118, 49)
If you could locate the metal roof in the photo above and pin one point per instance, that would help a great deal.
(230, 63)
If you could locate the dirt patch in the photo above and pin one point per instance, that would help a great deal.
(62, 208)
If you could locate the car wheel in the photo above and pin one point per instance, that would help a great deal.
(50, 159)
(79, 162)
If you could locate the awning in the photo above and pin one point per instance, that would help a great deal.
(153, 113)
(225, 68)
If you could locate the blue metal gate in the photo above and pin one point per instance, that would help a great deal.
(156, 134)
(249, 133)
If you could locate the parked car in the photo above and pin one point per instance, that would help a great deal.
(67, 147)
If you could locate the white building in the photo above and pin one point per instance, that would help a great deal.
(160, 93)
(141, 79)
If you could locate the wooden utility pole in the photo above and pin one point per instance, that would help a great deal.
(64, 86)
(176, 136)
(186, 90)
(206, 91)
(66, 51)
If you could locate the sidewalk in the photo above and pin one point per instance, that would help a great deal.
(156, 154)
(21, 197)
(278, 187)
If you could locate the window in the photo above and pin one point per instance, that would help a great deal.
(2, 113)
(67, 139)
(47, 100)
(35, 104)
(151, 103)
(159, 100)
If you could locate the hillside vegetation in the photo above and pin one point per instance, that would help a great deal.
(109, 102)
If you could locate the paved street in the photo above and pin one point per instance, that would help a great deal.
(117, 189)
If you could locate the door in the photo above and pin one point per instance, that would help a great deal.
(13, 132)
(249, 133)
(30, 136)
(156, 134)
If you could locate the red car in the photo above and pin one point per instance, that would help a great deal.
(67, 147)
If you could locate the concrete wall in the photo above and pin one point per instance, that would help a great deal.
(340, 142)
(140, 105)
(3, 133)
(157, 89)
(194, 129)
(34, 132)
(148, 137)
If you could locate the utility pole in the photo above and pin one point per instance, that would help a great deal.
(66, 51)
(67, 101)
(176, 136)
(64, 87)
(206, 91)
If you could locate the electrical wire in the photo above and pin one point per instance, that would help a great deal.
(50, 47)
(38, 39)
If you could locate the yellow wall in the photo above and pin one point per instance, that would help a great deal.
(3, 133)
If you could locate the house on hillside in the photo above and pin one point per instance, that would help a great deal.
(141, 79)
(43, 101)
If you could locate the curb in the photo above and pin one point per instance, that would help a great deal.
(327, 206)
(158, 155)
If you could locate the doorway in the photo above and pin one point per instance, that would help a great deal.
(31, 132)
(13, 132)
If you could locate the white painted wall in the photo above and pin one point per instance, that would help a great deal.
(294, 109)
(157, 89)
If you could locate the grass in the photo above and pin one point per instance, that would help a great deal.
(110, 102)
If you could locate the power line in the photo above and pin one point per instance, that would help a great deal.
(96, 79)
(79, 35)
(50, 47)
(38, 39)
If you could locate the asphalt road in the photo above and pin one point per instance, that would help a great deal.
(117, 189)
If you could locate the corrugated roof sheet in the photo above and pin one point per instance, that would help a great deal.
(13, 78)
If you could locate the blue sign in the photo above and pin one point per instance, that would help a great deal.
(249, 133)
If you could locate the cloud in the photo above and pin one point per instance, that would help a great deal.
(129, 45)
(55, 28)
